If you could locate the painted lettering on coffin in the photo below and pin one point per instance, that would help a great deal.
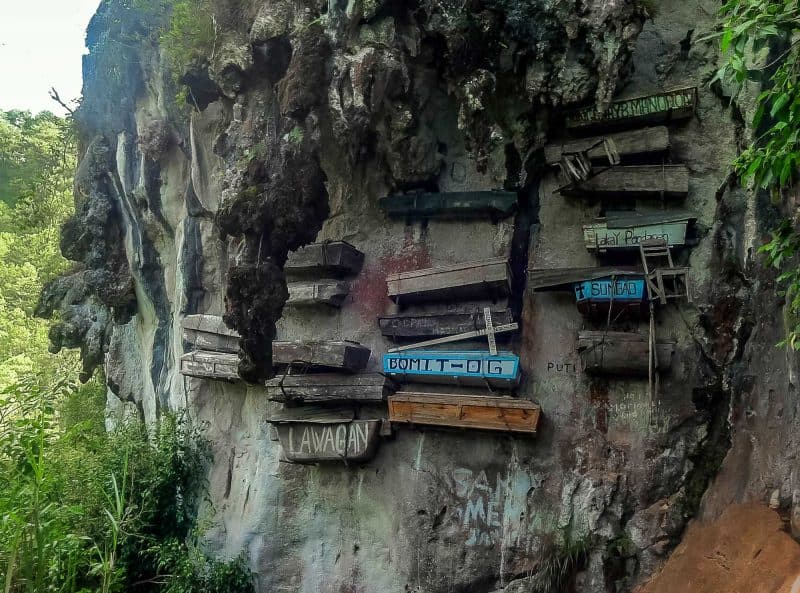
(464, 364)
(325, 440)
(604, 289)
(638, 107)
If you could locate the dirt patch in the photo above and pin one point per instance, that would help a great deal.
(746, 550)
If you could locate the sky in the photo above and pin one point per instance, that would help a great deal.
(41, 44)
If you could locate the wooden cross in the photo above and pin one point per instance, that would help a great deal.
(490, 332)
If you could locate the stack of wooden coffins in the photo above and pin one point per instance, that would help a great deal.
(438, 308)
(626, 167)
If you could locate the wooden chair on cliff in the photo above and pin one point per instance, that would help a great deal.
(576, 167)
(664, 280)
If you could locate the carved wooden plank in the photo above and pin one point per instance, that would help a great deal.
(453, 367)
(625, 230)
(461, 411)
(473, 204)
(210, 365)
(653, 140)
(564, 279)
(327, 439)
(329, 388)
(658, 108)
(668, 181)
(621, 353)
(472, 280)
(209, 332)
(348, 356)
(444, 324)
(333, 257)
(305, 294)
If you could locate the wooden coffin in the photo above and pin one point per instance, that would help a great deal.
(621, 353)
(210, 365)
(453, 367)
(626, 229)
(489, 279)
(666, 181)
(315, 437)
(625, 294)
(337, 258)
(659, 108)
(564, 279)
(444, 324)
(306, 294)
(632, 143)
(346, 356)
(461, 411)
(459, 205)
(209, 332)
(329, 388)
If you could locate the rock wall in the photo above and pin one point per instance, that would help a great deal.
(302, 116)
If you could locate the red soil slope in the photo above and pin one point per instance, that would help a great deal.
(744, 551)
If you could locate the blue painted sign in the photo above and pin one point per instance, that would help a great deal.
(629, 288)
(437, 366)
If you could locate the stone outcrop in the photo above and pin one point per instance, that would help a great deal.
(301, 116)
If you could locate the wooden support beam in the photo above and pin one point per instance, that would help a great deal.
(461, 411)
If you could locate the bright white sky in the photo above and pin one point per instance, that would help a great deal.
(41, 44)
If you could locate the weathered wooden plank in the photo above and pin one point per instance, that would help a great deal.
(621, 353)
(564, 279)
(332, 257)
(663, 107)
(453, 367)
(600, 237)
(210, 365)
(645, 141)
(348, 356)
(461, 411)
(653, 181)
(328, 439)
(472, 204)
(471, 280)
(209, 332)
(323, 292)
(438, 325)
(329, 388)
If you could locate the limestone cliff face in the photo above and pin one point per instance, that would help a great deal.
(303, 115)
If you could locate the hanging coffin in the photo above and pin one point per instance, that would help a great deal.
(444, 324)
(654, 181)
(210, 365)
(306, 294)
(623, 295)
(453, 367)
(345, 356)
(321, 437)
(337, 258)
(209, 332)
(622, 353)
(461, 411)
(660, 108)
(624, 230)
(489, 279)
(329, 388)
(458, 205)
(564, 279)
(634, 143)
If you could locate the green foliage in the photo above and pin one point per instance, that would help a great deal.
(759, 40)
(557, 568)
(87, 510)
(191, 35)
(37, 158)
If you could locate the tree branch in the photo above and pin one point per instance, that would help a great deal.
(55, 97)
